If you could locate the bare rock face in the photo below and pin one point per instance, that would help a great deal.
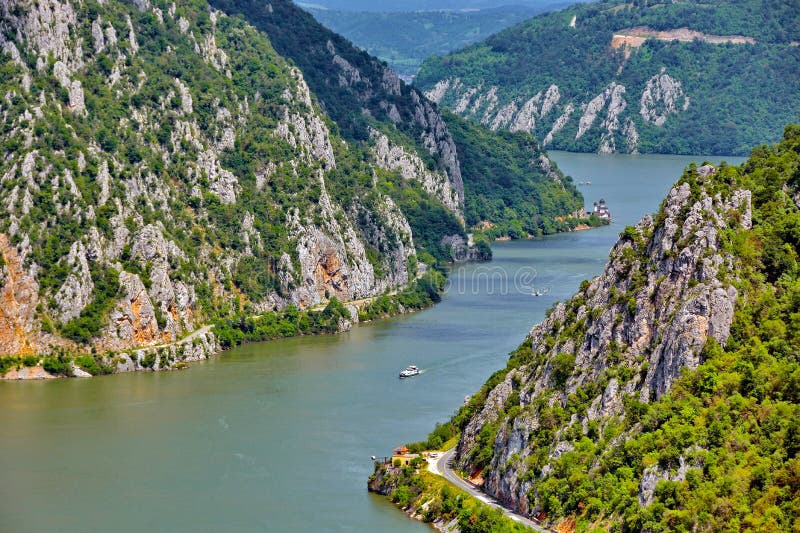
(47, 28)
(19, 296)
(378, 89)
(333, 259)
(133, 322)
(613, 95)
(662, 96)
(525, 120)
(616, 106)
(559, 124)
(437, 139)
(306, 131)
(393, 157)
(667, 288)
(652, 475)
(549, 111)
(198, 346)
(174, 300)
(76, 293)
(438, 91)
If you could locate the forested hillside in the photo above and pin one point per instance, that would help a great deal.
(715, 76)
(364, 96)
(165, 167)
(405, 39)
(664, 394)
(511, 193)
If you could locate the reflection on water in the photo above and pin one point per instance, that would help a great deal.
(278, 436)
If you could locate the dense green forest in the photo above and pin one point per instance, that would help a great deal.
(511, 188)
(738, 95)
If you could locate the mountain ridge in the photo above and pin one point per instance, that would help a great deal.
(596, 88)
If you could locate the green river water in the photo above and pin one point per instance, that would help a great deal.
(278, 436)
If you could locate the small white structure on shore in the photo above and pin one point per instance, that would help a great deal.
(601, 211)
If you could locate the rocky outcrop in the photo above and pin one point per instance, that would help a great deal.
(134, 321)
(76, 292)
(198, 346)
(611, 124)
(662, 96)
(549, 111)
(525, 120)
(19, 296)
(437, 140)
(438, 91)
(391, 156)
(559, 124)
(654, 474)
(306, 130)
(667, 288)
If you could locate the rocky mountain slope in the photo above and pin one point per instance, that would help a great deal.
(163, 167)
(663, 395)
(659, 77)
(363, 95)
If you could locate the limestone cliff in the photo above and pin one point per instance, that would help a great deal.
(608, 114)
(355, 88)
(163, 166)
(667, 288)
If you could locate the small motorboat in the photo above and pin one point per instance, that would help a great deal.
(409, 372)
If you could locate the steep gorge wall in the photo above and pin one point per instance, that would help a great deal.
(142, 197)
(669, 77)
(668, 287)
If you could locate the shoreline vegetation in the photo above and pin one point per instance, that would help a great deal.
(224, 334)
(335, 317)
(431, 498)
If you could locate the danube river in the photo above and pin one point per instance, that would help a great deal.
(278, 436)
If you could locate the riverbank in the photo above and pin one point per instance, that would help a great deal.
(568, 224)
(429, 498)
(335, 317)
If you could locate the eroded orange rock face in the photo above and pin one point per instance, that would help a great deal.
(145, 328)
(133, 322)
(19, 296)
(329, 275)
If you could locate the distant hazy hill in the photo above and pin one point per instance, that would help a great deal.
(417, 5)
(672, 77)
(404, 40)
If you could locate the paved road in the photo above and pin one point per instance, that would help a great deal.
(443, 467)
